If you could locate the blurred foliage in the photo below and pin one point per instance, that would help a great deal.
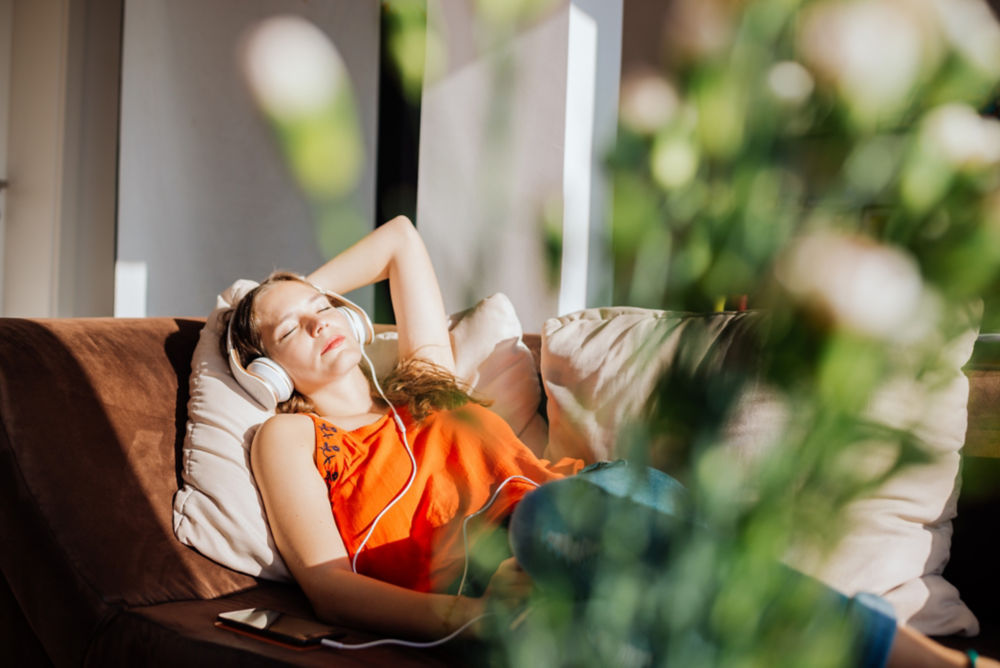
(301, 84)
(828, 160)
(410, 42)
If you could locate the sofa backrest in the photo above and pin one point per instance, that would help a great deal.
(92, 415)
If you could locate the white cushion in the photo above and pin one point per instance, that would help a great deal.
(898, 538)
(598, 368)
(218, 510)
(599, 365)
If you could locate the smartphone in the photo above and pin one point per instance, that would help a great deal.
(276, 626)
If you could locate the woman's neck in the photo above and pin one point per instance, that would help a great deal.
(347, 400)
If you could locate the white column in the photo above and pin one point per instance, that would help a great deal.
(593, 72)
(6, 35)
(34, 156)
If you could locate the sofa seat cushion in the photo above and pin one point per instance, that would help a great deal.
(183, 633)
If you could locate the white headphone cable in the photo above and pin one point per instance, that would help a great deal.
(465, 524)
(406, 446)
(465, 537)
(465, 571)
(405, 643)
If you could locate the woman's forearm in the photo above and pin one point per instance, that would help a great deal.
(367, 261)
(357, 601)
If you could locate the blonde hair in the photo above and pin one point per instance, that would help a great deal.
(419, 385)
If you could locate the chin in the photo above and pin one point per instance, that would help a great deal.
(347, 360)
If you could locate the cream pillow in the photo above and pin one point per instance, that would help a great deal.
(599, 365)
(898, 538)
(598, 368)
(218, 510)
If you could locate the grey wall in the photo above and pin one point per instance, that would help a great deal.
(87, 232)
(204, 195)
(512, 135)
(59, 82)
(491, 156)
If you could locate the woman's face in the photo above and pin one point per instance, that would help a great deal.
(308, 337)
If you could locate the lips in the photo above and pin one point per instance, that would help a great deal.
(332, 343)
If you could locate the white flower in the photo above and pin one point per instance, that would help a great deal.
(858, 284)
(292, 66)
(872, 51)
(648, 102)
(962, 136)
(790, 82)
(973, 31)
(673, 161)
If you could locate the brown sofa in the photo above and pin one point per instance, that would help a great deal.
(92, 414)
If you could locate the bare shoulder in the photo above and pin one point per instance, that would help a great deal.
(284, 432)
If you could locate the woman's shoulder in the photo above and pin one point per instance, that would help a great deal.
(285, 428)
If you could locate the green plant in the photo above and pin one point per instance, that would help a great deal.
(827, 161)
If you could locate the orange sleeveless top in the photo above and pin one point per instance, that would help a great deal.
(462, 456)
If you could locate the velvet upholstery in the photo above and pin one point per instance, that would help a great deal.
(92, 415)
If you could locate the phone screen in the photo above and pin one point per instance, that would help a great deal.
(278, 626)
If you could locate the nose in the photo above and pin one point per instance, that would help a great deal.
(316, 323)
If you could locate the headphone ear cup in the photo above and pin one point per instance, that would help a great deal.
(273, 376)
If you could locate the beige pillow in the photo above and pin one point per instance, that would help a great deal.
(598, 367)
(898, 538)
(218, 510)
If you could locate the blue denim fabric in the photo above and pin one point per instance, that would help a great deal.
(560, 534)
(877, 621)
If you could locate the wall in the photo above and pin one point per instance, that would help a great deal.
(204, 195)
(200, 192)
(511, 135)
(6, 38)
(34, 156)
(90, 161)
(59, 112)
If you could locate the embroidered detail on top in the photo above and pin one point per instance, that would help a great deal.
(328, 449)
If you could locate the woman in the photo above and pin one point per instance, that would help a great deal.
(402, 475)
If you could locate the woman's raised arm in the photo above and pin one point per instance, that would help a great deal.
(395, 251)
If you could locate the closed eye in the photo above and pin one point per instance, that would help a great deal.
(287, 334)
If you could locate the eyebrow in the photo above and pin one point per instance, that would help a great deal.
(309, 302)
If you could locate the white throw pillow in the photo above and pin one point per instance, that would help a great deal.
(598, 368)
(599, 365)
(218, 510)
(898, 538)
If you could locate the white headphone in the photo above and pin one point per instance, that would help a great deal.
(265, 380)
